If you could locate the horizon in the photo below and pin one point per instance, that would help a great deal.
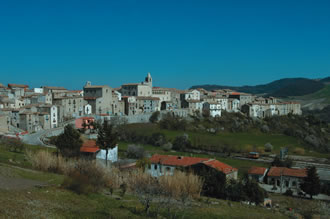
(182, 44)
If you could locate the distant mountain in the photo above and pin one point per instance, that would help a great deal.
(279, 88)
(325, 80)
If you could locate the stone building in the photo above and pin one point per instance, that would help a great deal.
(69, 107)
(99, 97)
(138, 89)
(242, 97)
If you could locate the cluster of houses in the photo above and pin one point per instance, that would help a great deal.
(35, 109)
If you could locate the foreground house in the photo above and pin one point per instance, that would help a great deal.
(166, 164)
(257, 173)
(91, 150)
(286, 177)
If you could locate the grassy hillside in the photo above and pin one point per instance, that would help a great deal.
(240, 141)
(26, 193)
(279, 88)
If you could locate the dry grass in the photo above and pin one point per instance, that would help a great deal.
(299, 151)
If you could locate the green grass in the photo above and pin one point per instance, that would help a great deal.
(239, 141)
(323, 93)
(19, 158)
(56, 202)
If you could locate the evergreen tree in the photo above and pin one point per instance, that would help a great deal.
(311, 184)
(106, 138)
(69, 142)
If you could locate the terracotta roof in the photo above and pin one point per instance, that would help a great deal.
(182, 161)
(220, 166)
(257, 170)
(172, 160)
(90, 98)
(89, 147)
(54, 88)
(18, 85)
(284, 171)
(96, 86)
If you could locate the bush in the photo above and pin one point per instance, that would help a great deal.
(268, 147)
(288, 192)
(167, 147)
(154, 117)
(299, 151)
(85, 177)
(13, 144)
(135, 152)
(180, 143)
(157, 139)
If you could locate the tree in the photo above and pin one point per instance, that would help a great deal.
(277, 162)
(180, 143)
(311, 184)
(69, 142)
(254, 192)
(154, 117)
(106, 138)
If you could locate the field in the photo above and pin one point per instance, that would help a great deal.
(243, 142)
(26, 193)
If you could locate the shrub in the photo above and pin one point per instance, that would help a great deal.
(86, 177)
(167, 147)
(157, 139)
(135, 151)
(268, 147)
(154, 117)
(299, 151)
(180, 143)
(13, 144)
(288, 192)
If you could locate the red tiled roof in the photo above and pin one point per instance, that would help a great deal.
(18, 85)
(90, 98)
(220, 166)
(257, 170)
(89, 147)
(284, 171)
(172, 160)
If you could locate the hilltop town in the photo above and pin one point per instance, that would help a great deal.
(170, 150)
(33, 109)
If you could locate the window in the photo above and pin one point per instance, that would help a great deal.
(155, 166)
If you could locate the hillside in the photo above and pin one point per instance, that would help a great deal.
(314, 101)
(279, 88)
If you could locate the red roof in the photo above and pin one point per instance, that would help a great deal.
(284, 171)
(220, 166)
(257, 170)
(90, 98)
(89, 147)
(172, 160)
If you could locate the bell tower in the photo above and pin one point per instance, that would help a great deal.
(148, 80)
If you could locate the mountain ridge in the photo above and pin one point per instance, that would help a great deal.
(279, 88)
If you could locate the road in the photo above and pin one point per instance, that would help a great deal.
(36, 138)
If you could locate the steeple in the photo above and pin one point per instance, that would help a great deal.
(148, 80)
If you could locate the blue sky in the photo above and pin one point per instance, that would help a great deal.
(182, 43)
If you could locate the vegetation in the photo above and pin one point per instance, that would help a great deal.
(106, 138)
(277, 162)
(311, 184)
(282, 87)
(69, 142)
(154, 117)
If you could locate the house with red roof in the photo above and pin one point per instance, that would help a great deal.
(257, 173)
(90, 149)
(166, 164)
(286, 177)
